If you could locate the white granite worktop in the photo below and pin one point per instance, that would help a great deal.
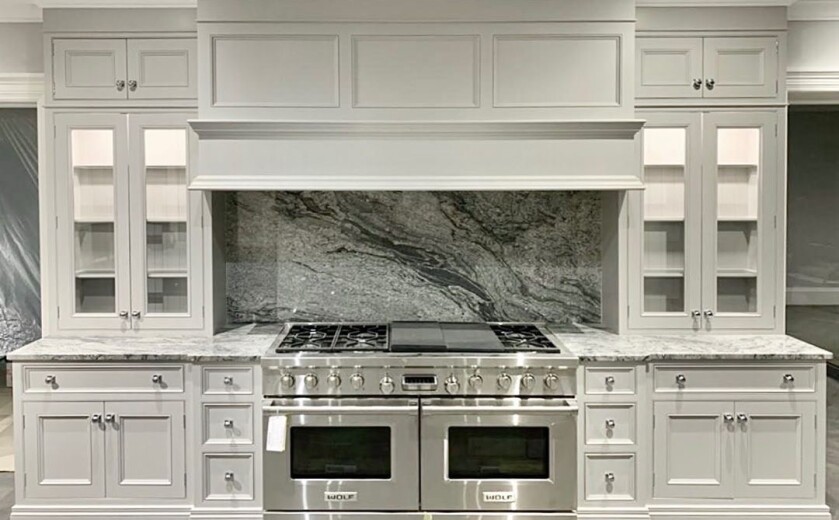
(591, 344)
(248, 343)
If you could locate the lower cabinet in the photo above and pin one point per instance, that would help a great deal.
(132, 449)
(728, 449)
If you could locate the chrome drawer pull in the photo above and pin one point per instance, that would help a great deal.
(728, 418)
(96, 418)
(610, 380)
(111, 418)
(610, 423)
(228, 380)
(50, 380)
(228, 423)
(228, 476)
(789, 378)
(681, 379)
(742, 418)
(157, 379)
(610, 477)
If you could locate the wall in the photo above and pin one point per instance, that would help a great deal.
(20, 308)
(448, 256)
(812, 46)
(21, 48)
(813, 219)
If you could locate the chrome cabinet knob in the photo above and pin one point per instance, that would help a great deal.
(476, 382)
(333, 380)
(610, 423)
(681, 379)
(386, 385)
(123, 314)
(357, 381)
(742, 418)
(728, 418)
(96, 418)
(452, 385)
(229, 476)
(228, 381)
(551, 381)
(789, 378)
(710, 84)
(697, 83)
(527, 381)
(157, 379)
(695, 313)
(504, 381)
(610, 380)
(311, 381)
(228, 423)
(709, 313)
(132, 85)
(135, 314)
(110, 418)
(610, 477)
(287, 381)
(120, 84)
(50, 380)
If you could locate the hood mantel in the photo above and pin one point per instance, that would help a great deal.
(482, 97)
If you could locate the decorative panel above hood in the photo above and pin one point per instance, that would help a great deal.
(478, 95)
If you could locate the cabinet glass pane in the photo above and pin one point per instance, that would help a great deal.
(665, 165)
(738, 179)
(92, 160)
(167, 277)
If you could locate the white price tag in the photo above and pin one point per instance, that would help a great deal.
(276, 437)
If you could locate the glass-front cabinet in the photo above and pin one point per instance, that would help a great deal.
(702, 232)
(129, 233)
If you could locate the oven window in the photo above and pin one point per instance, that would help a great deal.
(509, 452)
(340, 452)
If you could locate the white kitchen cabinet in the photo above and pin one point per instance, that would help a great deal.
(727, 449)
(703, 233)
(131, 231)
(124, 68)
(64, 449)
(710, 68)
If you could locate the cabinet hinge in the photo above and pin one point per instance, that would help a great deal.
(58, 312)
(184, 420)
(56, 222)
(776, 129)
(775, 221)
(777, 88)
(774, 311)
(184, 479)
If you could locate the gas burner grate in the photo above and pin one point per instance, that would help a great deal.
(362, 337)
(331, 338)
(522, 337)
(309, 337)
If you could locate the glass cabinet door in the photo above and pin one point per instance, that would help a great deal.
(739, 220)
(93, 235)
(666, 219)
(166, 230)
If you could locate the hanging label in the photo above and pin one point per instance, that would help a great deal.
(275, 439)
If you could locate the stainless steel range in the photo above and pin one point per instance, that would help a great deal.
(419, 419)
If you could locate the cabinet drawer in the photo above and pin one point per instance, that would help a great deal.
(227, 380)
(228, 424)
(610, 423)
(228, 476)
(735, 378)
(610, 477)
(610, 381)
(103, 379)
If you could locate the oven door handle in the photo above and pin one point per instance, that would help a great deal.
(338, 410)
(439, 408)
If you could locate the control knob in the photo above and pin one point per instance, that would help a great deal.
(287, 381)
(527, 381)
(551, 381)
(452, 385)
(386, 385)
(311, 381)
(357, 381)
(333, 380)
(476, 382)
(504, 381)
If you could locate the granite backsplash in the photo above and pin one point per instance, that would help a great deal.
(446, 256)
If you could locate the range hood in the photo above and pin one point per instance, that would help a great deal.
(479, 95)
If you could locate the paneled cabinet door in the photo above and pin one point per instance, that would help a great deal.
(63, 450)
(776, 454)
(665, 224)
(89, 69)
(738, 242)
(694, 449)
(162, 68)
(668, 68)
(741, 67)
(166, 231)
(91, 171)
(145, 449)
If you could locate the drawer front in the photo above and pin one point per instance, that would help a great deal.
(103, 379)
(735, 378)
(610, 423)
(610, 477)
(228, 424)
(228, 476)
(610, 381)
(227, 381)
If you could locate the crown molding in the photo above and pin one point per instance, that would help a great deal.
(21, 89)
(715, 3)
(20, 12)
(813, 87)
(814, 10)
(52, 4)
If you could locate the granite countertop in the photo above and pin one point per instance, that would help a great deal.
(237, 345)
(591, 344)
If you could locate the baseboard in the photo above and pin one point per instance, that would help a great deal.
(99, 512)
(735, 512)
(226, 514)
(812, 296)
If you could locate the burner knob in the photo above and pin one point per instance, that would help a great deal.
(527, 381)
(551, 381)
(311, 381)
(504, 381)
(287, 381)
(386, 385)
(333, 380)
(452, 385)
(357, 381)
(476, 382)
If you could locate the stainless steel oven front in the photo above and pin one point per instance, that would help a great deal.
(504, 454)
(342, 454)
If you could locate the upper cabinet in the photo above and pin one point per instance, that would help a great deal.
(124, 69)
(711, 68)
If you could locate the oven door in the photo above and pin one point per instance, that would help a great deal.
(499, 454)
(341, 454)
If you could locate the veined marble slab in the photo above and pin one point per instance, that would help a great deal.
(596, 345)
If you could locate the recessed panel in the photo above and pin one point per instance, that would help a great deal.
(556, 71)
(276, 71)
(58, 464)
(436, 71)
(693, 449)
(145, 450)
(665, 67)
(164, 69)
(741, 66)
